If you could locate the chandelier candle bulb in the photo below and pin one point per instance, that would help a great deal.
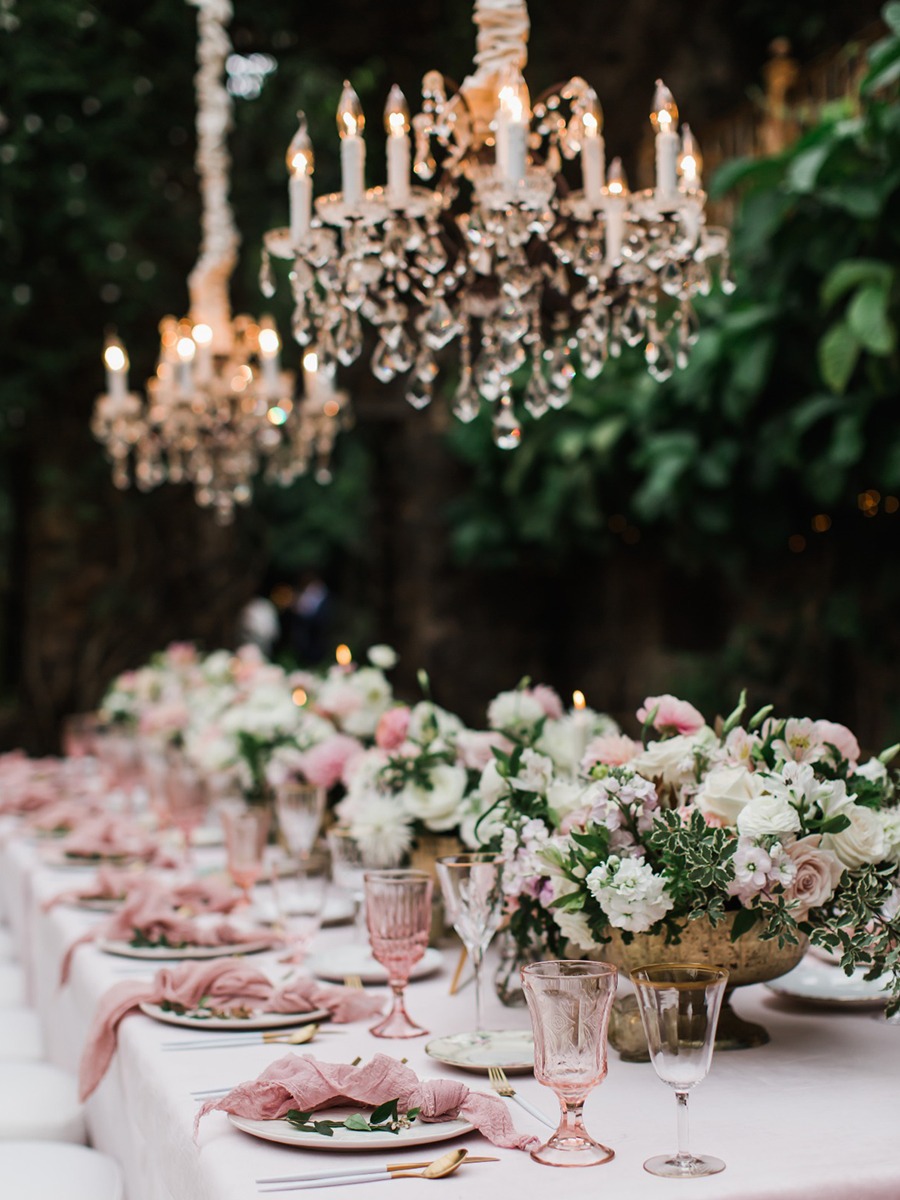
(396, 124)
(269, 345)
(690, 162)
(300, 162)
(593, 151)
(615, 202)
(664, 120)
(186, 349)
(203, 337)
(310, 374)
(351, 122)
(513, 119)
(116, 362)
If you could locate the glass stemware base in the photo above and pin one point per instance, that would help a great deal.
(398, 1024)
(684, 1166)
(572, 1146)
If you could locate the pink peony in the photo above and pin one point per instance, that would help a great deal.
(841, 738)
(611, 750)
(672, 715)
(392, 727)
(324, 765)
(548, 700)
(818, 874)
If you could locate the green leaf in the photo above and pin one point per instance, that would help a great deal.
(385, 1112)
(838, 353)
(884, 67)
(325, 1128)
(804, 170)
(835, 824)
(358, 1123)
(867, 316)
(850, 274)
(890, 14)
(736, 715)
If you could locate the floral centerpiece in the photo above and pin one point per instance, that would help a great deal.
(776, 827)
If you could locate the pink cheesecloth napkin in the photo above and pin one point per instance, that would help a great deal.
(111, 836)
(119, 883)
(28, 784)
(154, 912)
(226, 982)
(63, 815)
(301, 1081)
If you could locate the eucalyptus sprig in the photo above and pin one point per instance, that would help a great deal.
(386, 1118)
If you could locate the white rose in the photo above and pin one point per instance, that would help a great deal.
(382, 656)
(564, 741)
(768, 814)
(565, 796)
(514, 710)
(862, 842)
(426, 715)
(874, 770)
(574, 926)
(475, 834)
(726, 791)
(440, 805)
(673, 759)
(890, 823)
(492, 785)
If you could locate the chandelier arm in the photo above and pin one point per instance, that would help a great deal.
(502, 37)
(208, 281)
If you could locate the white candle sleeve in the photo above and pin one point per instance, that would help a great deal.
(516, 152)
(398, 159)
(353, 167)
(668, 145)
(301, 207)
(117, 383)
(593, 166)
(615, 229)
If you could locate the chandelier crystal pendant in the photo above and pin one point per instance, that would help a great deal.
(531, 279)
(219, 403)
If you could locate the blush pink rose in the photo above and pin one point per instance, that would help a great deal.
(841, 738)
(475, 747)
(181, 654)
(818, 874)
(324, 765)
(672, 715)
(611, 750)
(392, 726)
(548, 700)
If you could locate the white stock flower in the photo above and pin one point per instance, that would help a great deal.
(574, 926)
(726, 791)
(382, 656)
(492, 785)
(440, 805)
(768, 814)
(535, 773)
(565, 796)
(630, 894)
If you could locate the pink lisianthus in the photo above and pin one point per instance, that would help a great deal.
(181, 654)
(672, 715)
(841, 738)
(166, 717)
(577, 819)
(325, 765)
(392, 726)
(549, 701)
(610, 750)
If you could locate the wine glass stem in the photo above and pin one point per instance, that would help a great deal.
(684, 1154)
(571, 1121)
(477, 955)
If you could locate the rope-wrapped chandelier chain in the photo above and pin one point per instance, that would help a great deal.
(218, 254)
(502, 37)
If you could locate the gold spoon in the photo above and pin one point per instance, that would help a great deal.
(439, 1169)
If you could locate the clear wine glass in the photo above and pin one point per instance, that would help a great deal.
(398, 915)
(679, 1006)
(348, 868)
(570, 1003)
(188, 798)
(471, 885)
(300, 898)
(300, 808)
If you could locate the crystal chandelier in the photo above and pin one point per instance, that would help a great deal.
(532, 279)
(219, 403)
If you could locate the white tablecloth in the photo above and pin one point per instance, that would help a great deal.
(811, 1116)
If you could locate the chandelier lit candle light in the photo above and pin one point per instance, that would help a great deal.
(531, 280)
(219, 404)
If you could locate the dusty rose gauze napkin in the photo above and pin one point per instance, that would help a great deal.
(64, 815)
(301, 1081)
(151, 911)
(119, 883)
(112, 836)
(226, 982)
(28, 784)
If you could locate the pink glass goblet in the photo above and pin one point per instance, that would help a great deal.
(246, 834)
(188, 798)
(570, 1004)
(398, 915)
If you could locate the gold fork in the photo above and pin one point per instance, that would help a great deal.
(353, 981)
(501, 1085)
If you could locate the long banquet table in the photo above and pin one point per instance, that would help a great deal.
(811, 1116)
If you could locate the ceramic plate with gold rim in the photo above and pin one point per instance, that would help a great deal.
(511, 1049)
(256, 1021)
(825, 985)
(420, 1133)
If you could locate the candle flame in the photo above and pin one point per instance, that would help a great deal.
(299, 696)
(343, 655)
(578, 700)
(114, 356)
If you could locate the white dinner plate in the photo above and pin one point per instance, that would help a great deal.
(100, 904)
(168, 954)
(338, 909)
(337, 964)
(54, 856)
(259, 1020)
(826, 986)
(511, 1049)
(420, 1133)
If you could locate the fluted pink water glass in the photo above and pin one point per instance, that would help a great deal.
(398, 915)
(246, 833)
(570, 1004)
(679, 1006)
